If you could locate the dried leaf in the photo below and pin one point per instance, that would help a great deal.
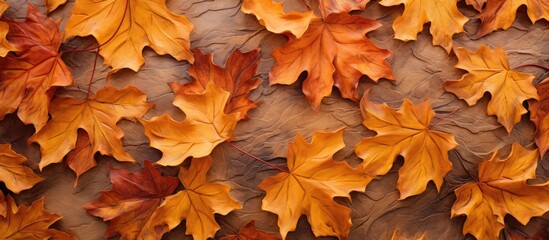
(135, 24)
(444, 16)
(13, 173)
(405, 132)
(97, 116)
(131, 202)
(328, 7)
(500, 14)
(53, 4)
(81, 158)
(500, 190)
(539, 114)
(271, 15)
(205, 127)
(30, 74)
(249, 232)
(311, 184)
(5, 46)
(333, 51)
(477, 4)
(237, 78)
(489, 72)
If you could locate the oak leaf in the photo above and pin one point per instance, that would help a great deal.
(501, 189)
(13, 173)
(124, 28)
(131, 202)
(29, 223)
(5, 46)
(309, 187)
(97, 116)
(444, 16)
(539, 114)
(500, 14)
(249, 232)
(30, 74)
(406, 132)
(206, 125)
(333, 51)
(53, 4)
(197, 204)
(237, 78)
(271, 15)
(489, 72)
(328, 7)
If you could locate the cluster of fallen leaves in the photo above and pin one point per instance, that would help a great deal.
(331, 48)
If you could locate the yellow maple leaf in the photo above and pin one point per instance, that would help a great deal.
(500, 14)
(405, 132)
(309, 187)
(501, 189)
(135, 24)
(489, 71)
(13, 173)
(444, 16)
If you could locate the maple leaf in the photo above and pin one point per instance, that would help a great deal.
(539, 114)
(477, 4)
(131, 202)
(311, 184)
(29, 223)
(205, 126)
(81, 158)
(249, 232)
(328, 7)
(197, 204)
(13, 173)
(271, 15)
(405, 132)
(30, 74)
(333, 51)
(444, 16)
(53, 4)
(97, 116)
(489, 72)
(501, 189)
(124, 28)
(500, 14)
(5, 46)
(237, 79)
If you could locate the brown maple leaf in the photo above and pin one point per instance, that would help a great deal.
(333, 51)
(124, 27)
(249, 232)
(53, 4)
(539, 114)
(197, 204)
(500, 190)
(13, 173)
(271, 15)
(97, 116)
(489, 71)
(206, 125)
(500, 14)
(29, 223)
(309, 187)
(5, 46)
(328, 7)
(237, 78)
(30, 74)
(444, 16)
(406, 132)
(131, 202)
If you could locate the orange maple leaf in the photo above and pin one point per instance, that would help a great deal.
(53, 4)
(444, 16)
(81, 158)
(311, 184)
(5, 46)
(124, 27)
(197, 204)
(539, 114)
(500, 14)
(489, 72)
(29, 223)
(13, 173)
(328, 7)
(30, 74)
(131, 202)
(249, 232)
(333, 51)
(500, 190)
(405, 132)
(238, 78)
(206, 125)
(97, 116)
(271, 15)
(477, 4)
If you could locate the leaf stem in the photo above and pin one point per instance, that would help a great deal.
(532, 65)
(256, 158)
(444, 117)
(93, 73)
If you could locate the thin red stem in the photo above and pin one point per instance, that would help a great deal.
(444, 117)
(93, 72)
(256, 158)
(533, 65)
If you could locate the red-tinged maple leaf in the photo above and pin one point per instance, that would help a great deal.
(131, 202)
(249, 232)
(28, 76)
(237, 78)
(81, 158)
(333, 51)
(539, 114)
(13, 173)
